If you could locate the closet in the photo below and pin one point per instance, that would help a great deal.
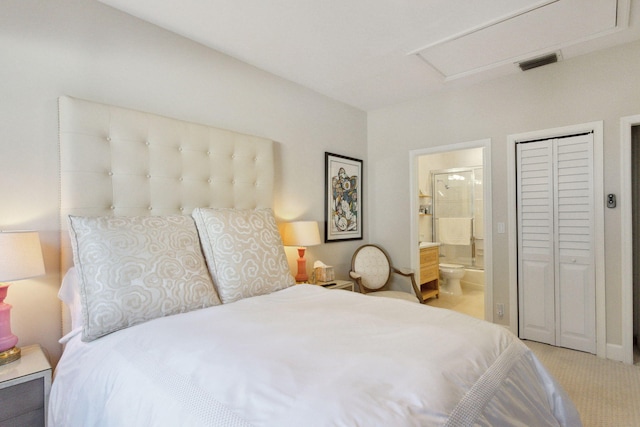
(556, 229)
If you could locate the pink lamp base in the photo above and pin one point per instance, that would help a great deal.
(302, 277)
(8, 351)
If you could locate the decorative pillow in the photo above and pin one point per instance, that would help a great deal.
(244, 252)
(134, 269)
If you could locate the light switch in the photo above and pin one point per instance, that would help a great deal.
(501, 228)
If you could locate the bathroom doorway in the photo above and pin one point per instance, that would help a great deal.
(451, 191)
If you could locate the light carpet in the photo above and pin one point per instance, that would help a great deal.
(606, 393)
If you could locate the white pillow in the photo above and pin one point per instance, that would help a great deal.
(244, 251)
(134, 269)
(69, 293)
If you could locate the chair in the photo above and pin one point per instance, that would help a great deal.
(371, 269)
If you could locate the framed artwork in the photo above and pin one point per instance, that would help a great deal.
(343, 198)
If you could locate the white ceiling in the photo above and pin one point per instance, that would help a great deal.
(375, 53)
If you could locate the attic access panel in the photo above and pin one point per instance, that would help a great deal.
(543, 29)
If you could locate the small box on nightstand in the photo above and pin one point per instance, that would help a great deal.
(324, 273)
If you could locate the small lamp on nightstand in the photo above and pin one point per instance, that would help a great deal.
(301, 234)
(20, 258)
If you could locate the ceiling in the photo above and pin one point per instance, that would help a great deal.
(375, 53)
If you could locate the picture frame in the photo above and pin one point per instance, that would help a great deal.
(343, 198)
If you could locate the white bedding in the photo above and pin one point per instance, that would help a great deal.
(307, 356)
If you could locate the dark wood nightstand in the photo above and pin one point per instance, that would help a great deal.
(24, 389)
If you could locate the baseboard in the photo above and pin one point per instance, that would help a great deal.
(614, 352)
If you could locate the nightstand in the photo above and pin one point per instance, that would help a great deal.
(337, 284)
(24, 389)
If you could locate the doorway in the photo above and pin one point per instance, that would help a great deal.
(635, 186)
(630, 293)
(450, 182)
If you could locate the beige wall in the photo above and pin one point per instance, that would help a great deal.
(85, 49)
(601, 86)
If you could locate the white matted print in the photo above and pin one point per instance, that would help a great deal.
(343, 198)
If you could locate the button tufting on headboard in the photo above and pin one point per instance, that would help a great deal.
(117, 161)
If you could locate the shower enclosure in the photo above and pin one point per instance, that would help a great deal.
(458, 215)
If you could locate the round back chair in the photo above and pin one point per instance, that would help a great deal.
(373, 265)
(371, 269)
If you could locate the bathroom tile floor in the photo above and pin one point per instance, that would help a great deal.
(471, 302)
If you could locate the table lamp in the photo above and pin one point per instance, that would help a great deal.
(20, 258)
(301, 234)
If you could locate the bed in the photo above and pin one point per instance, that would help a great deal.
(180, 309)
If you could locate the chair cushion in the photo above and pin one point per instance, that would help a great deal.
(373, 266)
(395, 294)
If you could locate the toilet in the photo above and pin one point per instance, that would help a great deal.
(451, 275)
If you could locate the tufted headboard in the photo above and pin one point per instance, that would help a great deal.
(116, 161)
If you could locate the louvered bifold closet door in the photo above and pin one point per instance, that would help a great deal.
(575, 255)
(556, 229)
(536, 266)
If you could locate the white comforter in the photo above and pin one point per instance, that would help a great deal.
(307, 356)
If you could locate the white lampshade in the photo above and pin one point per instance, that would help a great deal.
(20, 255)
(301, 233)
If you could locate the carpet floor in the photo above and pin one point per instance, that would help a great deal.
(606, 393)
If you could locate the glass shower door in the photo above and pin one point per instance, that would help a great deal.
(453, 214)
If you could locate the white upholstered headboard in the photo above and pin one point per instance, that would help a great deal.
(117, 161)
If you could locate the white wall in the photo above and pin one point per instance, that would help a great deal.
(88, 50)
(600, 86)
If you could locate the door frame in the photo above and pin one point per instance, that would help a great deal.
(598, 179)
(488, 230)
(626, 241)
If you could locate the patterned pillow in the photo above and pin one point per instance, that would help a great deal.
(244, 252)
(134, 269)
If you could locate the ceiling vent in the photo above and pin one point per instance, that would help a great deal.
(538, 62)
